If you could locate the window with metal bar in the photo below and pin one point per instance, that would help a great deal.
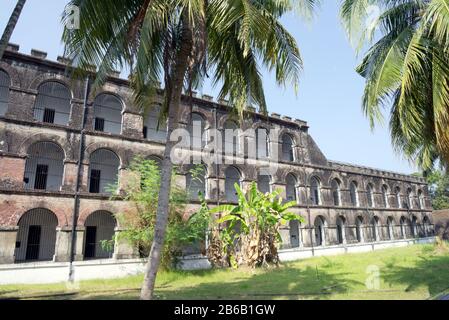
(49, 115)
(95, 176)
(103, 171)
(5, 82)
(99, 124)
(53, 103)
(40, 181)
(155, 126)
(108, 108)
(44, 166)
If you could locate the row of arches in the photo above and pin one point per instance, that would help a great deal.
(53, 104)
(401, 201)
(37, 235)
(361, 231)
(44, 170)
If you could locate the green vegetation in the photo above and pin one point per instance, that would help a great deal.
(184, 42)
(249, 233)
(142, 191)
(438, 181)
(407, 71)
(416, 272)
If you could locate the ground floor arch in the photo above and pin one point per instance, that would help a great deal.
(320, 231)
(99, 234)
(295, 234)
(36, 237)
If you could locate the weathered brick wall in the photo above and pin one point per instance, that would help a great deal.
(19, 130)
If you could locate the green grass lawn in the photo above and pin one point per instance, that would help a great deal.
(416, 272)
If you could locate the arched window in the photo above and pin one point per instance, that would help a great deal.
(390, 225)
(264, 183)
(336, 193)
(232, 176)
(108, 113)
(315, 191)
(44, 167)
(414, 227)
(103, 171)
(375, 226)
(385, 196)
(196, 182)
(427, 227)
(421, 200)
(291, 187)
(287, 148)
(53, 103)
(230, 135)
(100, 229)
(36, 238)
(320, 231)
(295, 234)
(397, 193)
(341, 232)
(359, 229)
(154, 128)
(410, 198)
(354, 194)
(5, 82)
(403, 224)
(262, 143)
(370, 195)
(197, 131)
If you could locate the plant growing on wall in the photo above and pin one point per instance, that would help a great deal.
(249, 233)
(142, 191)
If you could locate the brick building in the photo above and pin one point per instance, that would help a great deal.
(41, 122)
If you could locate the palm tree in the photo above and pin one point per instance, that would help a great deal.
(406, 69)
(183, 42)
(10, 26)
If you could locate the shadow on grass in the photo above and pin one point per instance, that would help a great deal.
(282, 283)
(430, 271)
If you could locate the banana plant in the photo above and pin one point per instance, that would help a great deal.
(250, 231)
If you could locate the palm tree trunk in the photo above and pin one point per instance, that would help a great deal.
(10, 26)
(177, 82)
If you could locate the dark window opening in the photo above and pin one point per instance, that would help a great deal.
(99, 124)
(33, 243)
(145, 132)
(95, 176)
(91, 237)
(40, 182)
(49, 115)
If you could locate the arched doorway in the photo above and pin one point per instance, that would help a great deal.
(100, 229)
(359, 229)
(36, 237)
(341, 234)
(232, 177)
(320, 232)
(295, 234)
(390, 225)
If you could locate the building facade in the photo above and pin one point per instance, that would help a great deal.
(43, 159)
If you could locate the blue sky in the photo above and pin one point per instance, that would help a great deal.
(330, 92)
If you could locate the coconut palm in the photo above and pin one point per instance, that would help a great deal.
(406, 69)
(181, 42)
(7, 33)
